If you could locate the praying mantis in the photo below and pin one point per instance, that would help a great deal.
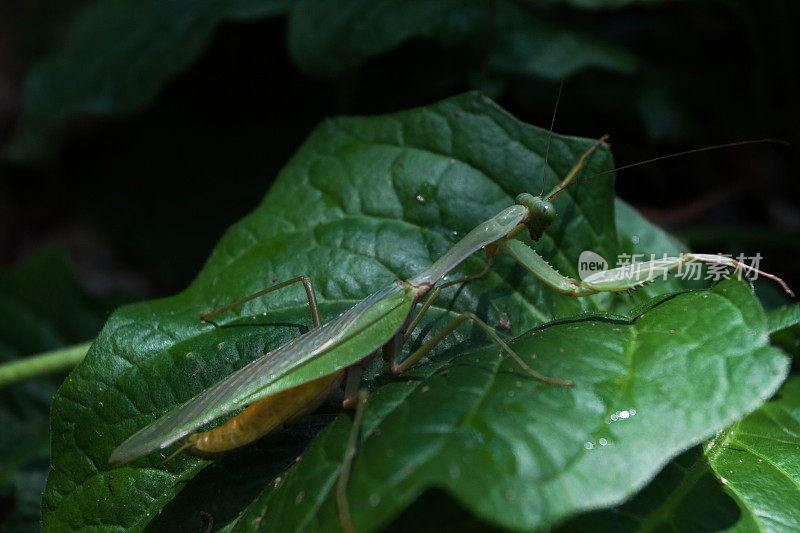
(339, 350)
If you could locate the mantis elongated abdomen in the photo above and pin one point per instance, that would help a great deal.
(263, 417)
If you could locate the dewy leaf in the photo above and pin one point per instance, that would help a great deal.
(327, 37)
(365, 201)
(689, 496)
(525, 456)
(758, 462)
(116, 58)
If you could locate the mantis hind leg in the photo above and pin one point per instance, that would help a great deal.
(344, 475)
(307, 285)
(392, 349)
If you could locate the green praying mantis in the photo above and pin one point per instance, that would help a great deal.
(338, 351)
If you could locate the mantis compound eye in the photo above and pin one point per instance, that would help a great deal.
(545, 211)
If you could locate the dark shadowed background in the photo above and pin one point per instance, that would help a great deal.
(142, 198)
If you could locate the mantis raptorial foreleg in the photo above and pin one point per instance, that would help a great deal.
(621, 278)
(305, 280)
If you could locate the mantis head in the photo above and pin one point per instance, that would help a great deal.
(541, 213)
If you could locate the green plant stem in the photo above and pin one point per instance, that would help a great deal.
(43, 363)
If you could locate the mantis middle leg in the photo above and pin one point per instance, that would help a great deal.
(422, 351)
(392, 349)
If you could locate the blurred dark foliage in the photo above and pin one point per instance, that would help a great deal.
(42, 307)
(148, 195)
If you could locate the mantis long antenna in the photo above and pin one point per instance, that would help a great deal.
(685, 152)
(550, 135)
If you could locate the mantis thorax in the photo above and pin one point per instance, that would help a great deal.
(541, 213)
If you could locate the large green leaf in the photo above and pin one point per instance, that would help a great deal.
(693, 492)
(326, 37)
(754, 463)
(363, 201)
(115, 59)
(525, 456)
